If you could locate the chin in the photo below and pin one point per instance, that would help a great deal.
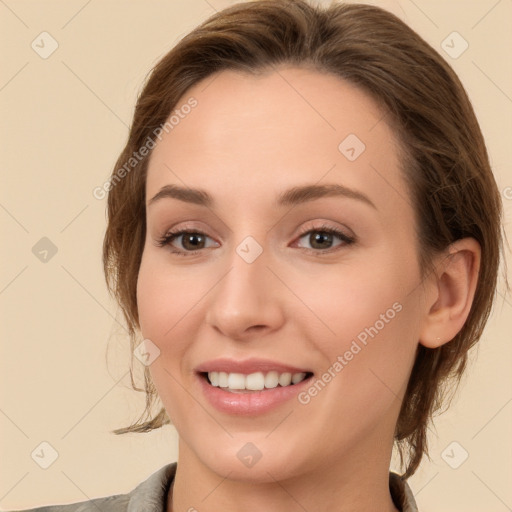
(253, 459)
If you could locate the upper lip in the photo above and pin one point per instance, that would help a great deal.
(247, 366)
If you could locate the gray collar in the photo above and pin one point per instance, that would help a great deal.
(151, 494)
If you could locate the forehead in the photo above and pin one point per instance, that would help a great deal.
(264, 133)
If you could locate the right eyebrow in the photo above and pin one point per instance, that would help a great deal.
(189, 195)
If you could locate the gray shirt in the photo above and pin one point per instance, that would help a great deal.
(151, 496)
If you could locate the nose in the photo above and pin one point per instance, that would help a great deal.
(246, 302)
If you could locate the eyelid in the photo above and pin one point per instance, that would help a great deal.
(328, 226)
(324, 225)
(186, 227)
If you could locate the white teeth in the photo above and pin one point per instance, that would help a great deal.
(223, 379)
(214, 378)
(254, 381)
(236, 381)
(298, 377)
(285, 379)
(271, 380)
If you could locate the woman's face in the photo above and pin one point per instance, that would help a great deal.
(300, 258)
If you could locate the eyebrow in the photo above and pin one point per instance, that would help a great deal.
(293, 196)
(186, 194)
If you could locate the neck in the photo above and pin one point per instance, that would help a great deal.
(356, 480)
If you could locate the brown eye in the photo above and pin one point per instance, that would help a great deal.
(324, 239)
(193, 241)
(187, 241)
(320, 240)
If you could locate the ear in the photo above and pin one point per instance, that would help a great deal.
(450, 292)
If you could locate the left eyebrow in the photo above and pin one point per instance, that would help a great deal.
(306, 193)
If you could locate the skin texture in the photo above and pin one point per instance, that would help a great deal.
(249, 139)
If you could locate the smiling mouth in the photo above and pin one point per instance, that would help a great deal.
(258, 381)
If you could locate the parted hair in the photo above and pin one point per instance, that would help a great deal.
(444, 162)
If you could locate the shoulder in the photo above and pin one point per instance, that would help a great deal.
(149, 496)
(117, 503)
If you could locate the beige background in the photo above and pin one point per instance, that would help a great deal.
(63, 122)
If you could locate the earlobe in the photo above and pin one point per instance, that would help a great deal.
(455, 281)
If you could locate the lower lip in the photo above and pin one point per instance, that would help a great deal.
(250, 403)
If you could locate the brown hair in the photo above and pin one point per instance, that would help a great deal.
(445, 161)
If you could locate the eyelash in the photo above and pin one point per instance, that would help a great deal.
(172, 235)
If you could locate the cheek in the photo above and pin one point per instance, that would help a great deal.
(355, 300)
(165, 295)
(171, 302)
(164, 305)
(165, 302)
(367, 334)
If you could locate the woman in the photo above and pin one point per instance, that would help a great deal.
(304, 231)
